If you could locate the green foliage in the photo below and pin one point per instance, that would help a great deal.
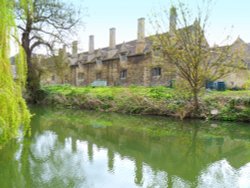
(56, 65)
(186, 51)
(44, 24)
(231, 105)
(139, 100)
(160, 93)
(13, 111)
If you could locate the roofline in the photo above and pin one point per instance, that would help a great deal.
(110, 59)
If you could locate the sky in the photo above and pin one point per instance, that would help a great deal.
(227, 17)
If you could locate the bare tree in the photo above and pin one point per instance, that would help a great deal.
(187, 52)
(43, 23)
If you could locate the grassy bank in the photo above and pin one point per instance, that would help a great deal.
(227, 105)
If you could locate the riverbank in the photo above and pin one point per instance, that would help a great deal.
(227, 105)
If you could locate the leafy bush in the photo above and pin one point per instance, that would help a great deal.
(231, 105)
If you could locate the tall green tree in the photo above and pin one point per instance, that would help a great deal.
(58, 66)
(13, 109)
(46, 23)
(187, 52)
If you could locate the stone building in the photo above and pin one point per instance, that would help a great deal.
(240, 78)
(134, 62)
(125, 64)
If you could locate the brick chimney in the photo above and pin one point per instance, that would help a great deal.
(112, 42)
(140, 44)
(91, 44)
(172, 20)
(91, 54)
(64, 51)
(141, 29)
(74, 48)
(65, 48)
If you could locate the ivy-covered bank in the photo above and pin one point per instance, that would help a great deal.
(226, 105)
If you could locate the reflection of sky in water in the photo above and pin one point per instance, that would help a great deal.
(82, 164)
(222, 174)
(43, 145)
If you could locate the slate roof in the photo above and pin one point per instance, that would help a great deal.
(130, 47)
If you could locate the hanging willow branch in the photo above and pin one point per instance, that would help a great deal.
(13, 109)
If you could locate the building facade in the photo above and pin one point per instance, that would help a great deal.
(125, 64)
(241, 77)
(134, 62)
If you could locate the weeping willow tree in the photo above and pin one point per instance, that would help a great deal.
(13, 110)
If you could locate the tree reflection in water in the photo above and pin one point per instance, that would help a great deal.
(68, 149)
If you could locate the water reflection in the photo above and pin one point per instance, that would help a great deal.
(74, 149)
(222, 174)
(53, 163)
(111, 157)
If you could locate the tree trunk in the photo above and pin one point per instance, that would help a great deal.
(33, 80)
(196, 101)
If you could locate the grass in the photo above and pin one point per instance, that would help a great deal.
(152, 92)
(231, 105)
(229, 93)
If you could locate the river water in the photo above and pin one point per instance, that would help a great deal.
(92, 149)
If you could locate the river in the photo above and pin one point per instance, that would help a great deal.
(72, 148)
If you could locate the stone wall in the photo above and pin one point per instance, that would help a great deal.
(138, 72)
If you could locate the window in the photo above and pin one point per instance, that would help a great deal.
(123, 74)
(80, 75)
(53, 78)
(156, 71)
(123, 57)
(98, 76)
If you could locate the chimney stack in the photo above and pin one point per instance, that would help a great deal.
(141, 29)
(74, 48)
(91, 44)
(172, 20)
(112, 42)
(64, 51)
(140, 43)
(64, 47)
